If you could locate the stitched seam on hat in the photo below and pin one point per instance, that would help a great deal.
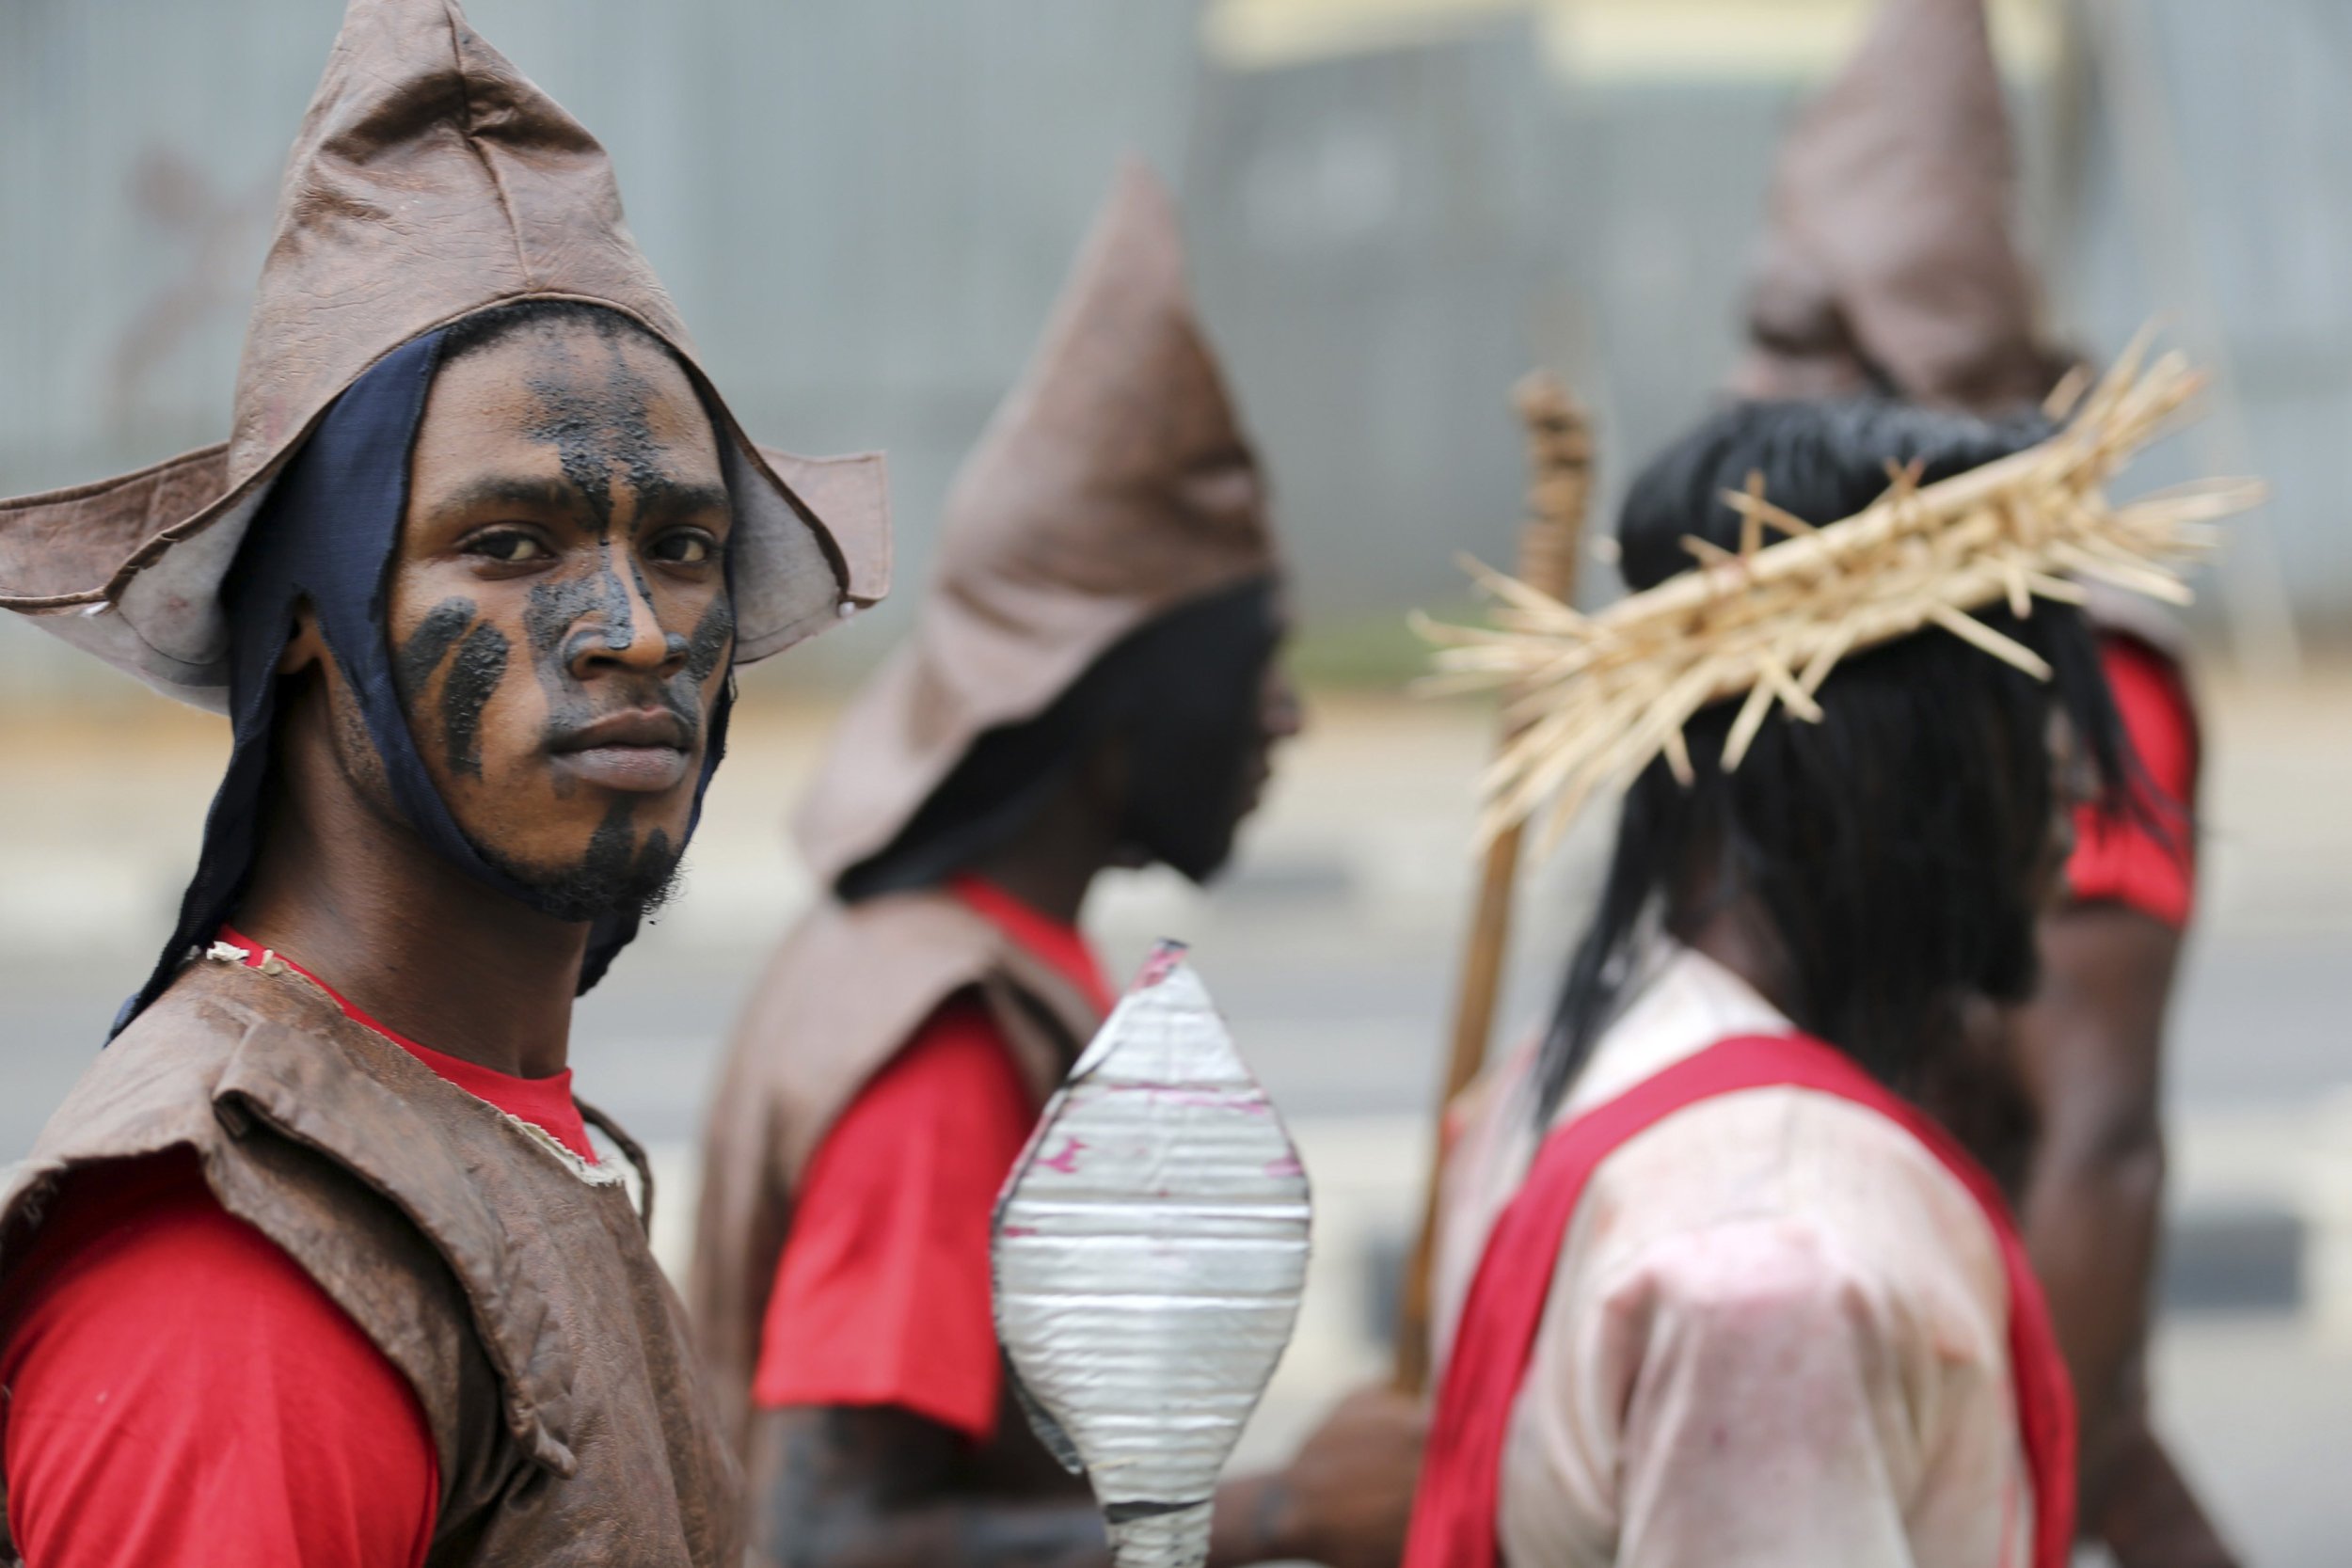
(507, 204)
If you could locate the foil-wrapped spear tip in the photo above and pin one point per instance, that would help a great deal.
(1151, 1246)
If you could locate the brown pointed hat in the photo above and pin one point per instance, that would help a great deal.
(1888, 257)
(1113, 484)
(430, 180)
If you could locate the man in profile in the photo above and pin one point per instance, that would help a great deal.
(1093, 683)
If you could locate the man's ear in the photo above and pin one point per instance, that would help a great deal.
(306, 647)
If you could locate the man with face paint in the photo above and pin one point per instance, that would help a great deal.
(1092, 683)
(318, 1263)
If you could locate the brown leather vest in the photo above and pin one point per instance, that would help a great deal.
(849, 989)
(508, 1280)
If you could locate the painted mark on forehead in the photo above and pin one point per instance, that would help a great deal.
(417, 658)
(598, 426)
(480, 666)
(598, 420)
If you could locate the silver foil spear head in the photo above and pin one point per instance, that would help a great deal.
(1151, 1246)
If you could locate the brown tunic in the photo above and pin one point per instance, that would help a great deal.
(510, 1283)
(848, 990)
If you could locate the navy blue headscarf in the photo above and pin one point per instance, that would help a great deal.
(326, 534)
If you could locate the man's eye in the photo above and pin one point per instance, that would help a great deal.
(508, 546)
(686, 548)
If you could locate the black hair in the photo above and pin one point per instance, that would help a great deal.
(1181, 692)
(1892, 847)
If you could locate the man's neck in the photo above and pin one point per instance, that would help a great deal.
(1054, 886)
(1052, 862)
(1735, 935)
(416, 943)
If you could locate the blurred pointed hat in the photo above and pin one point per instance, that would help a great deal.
(1113, 484)
(431, 180)
(1889, 256)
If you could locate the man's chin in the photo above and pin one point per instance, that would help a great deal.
(601, 885)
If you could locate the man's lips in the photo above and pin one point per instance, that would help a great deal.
(642, 750)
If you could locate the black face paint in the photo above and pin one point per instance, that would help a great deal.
(594, 432)
(326, 534)
(609, 878)
(714, 635)
(593, 435)
(480, 666)
(599, 435)
(428, 646)
(553, 608)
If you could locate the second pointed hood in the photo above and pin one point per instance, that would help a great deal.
(1113, 484)
(430, 180)
(1889, 256)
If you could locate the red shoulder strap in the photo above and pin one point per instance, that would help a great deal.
(1454, 1510)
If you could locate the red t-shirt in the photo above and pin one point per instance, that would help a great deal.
(881, 1296)
(180, 1392)
(2151, 864)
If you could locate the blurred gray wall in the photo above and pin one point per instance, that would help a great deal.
(864, 207)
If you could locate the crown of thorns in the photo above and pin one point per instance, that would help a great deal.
(1592, 699)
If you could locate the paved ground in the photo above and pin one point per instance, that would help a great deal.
(1332, 952)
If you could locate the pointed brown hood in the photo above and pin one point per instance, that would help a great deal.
(1889, 245)
(430, 180)
(1113, 484)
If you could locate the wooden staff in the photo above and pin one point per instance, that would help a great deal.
(1560, 458)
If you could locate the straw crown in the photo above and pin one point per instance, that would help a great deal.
(1592, 699)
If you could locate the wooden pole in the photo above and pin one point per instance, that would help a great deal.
(1560, 460)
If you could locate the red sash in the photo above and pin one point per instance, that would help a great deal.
(1461, 1481)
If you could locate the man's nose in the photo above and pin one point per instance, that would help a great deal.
(622, 631)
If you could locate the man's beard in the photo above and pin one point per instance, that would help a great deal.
(616, 880)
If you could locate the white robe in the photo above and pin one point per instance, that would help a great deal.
(1778, 1334)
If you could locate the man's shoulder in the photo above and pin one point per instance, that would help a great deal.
(144, 1305)
(851, 984)
(197, 1076)
(836, 943)
(1818, 1176)
(151, 1087)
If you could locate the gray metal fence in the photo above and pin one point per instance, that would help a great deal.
(864, 207)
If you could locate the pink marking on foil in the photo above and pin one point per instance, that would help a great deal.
(1248, 1103)
(1160, 965)
(1020, 1230)
(1287, 1166)
(1067, 1161)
